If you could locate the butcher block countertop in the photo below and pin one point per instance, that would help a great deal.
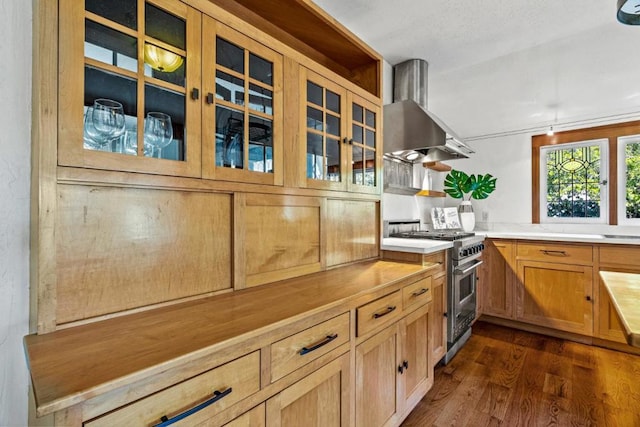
(72, 365)
(624, 290)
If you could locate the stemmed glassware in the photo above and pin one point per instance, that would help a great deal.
(158, 131)
(103, 123)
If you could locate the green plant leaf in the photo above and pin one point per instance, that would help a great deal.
(455, 184)
(481, 186)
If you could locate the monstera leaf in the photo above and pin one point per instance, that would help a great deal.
(457, 184)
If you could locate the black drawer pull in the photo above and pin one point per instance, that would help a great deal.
(420, 292)
(209, 98)
(553, 253)
(217, 395)
(195, 93)
(319, 344)
(384, 313)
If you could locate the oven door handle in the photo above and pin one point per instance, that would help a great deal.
(468, 269)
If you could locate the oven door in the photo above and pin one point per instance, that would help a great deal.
(464, 296)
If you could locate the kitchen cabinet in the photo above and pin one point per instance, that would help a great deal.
(320, 399)
(252, 418)
(439, 307)
(555, 286)
(350, 235)
(497, 278)
(341, 136)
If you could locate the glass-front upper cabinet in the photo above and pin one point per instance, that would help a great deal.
(242, 116)
(341, 136)
(129, 78)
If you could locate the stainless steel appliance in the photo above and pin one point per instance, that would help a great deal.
(463, 261)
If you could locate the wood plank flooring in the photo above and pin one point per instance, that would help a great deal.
(506, 377)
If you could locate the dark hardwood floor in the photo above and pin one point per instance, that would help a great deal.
(506, 377)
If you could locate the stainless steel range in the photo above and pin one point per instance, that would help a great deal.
(463, 261)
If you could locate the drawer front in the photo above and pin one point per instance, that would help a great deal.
(620, 256)
(556, 253)
(295, 351)
(233, 381)
(438, 259)
(379, 312)
(416, 294)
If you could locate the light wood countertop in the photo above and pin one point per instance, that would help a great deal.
(624, 290)
(72, 365)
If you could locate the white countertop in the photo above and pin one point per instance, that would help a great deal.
(564, 237)
(420, 246)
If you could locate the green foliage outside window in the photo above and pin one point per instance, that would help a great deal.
(632, 156)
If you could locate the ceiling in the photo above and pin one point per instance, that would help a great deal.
(499, 67)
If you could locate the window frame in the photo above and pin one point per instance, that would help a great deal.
(622, 180)
(604, 189)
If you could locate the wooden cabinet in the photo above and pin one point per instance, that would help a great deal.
(341, 136)
(255, 417)
(393, 371)
(497, 278)
(555, 286)
(320, 399)
(351, 233)
(439, 326)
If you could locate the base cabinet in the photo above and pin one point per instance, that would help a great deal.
(439, 309)
(320, 399)
(497, 278)
(253, 418)
(393, 371)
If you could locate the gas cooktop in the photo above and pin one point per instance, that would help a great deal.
(434, 235)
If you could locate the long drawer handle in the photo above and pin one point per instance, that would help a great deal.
(553, 253)
(217, 395)
(319, 344)
(384, 313)
(420, 292)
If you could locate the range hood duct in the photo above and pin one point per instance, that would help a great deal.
(411, 132)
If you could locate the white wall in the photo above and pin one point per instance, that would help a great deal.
(15, 118)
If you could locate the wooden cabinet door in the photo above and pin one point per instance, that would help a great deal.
(415, 367)
(352, 232)
(364, 156)
(252, 418)
(377, 362)
(439, 327)
(497, 278)
(320, 399)
(558, 296)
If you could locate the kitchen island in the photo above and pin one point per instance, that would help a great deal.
(624, 291)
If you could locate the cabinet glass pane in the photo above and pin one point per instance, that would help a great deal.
(357, 135)
(369, 168)
(333, 102)
(260, 145)
(165, 27)
(164, 65)
(333, 160)
(174, 105)
(357, 165)
(229, 138)
(229, 55)
(260, 99)
(357, 113)
(124, 12)
(229, 88)
(315, 156)
(333, 125)
(314, 119)
(110, 46)
(371, 138)
(260, 69)
(370, 119)
(314, 94)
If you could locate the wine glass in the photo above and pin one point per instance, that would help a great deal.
(92, 138)
(158, 131)
(108, 120)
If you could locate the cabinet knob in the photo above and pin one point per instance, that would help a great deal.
(401, 369)
(209, 98)
(588, 297)
(195, 93)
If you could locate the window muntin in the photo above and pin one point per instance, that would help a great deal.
(573, 182)
(629, 180)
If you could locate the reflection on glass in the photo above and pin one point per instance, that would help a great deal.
(229, 55)
(102, 84)
(370, 119)
(260, 69)
(123, 12)
(333, 125)
(110, 46)
(314, 94)
(369, 168)
(333, 160)
(229, 88)
(333, 102)
(357, 134)
(357, 113)
(164, 65)
(315, 156)
(173, 104)
(314, 119)
(229, 138)
(357, 165)
(165, 27)
(260, 145)
(158, 131)
(260, 99)
(371, 138)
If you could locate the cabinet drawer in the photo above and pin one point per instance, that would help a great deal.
(234, 380)
(416, 294)
(439, 259)
(378, 312)
(556, 253)
(295, 351)
(620, 256)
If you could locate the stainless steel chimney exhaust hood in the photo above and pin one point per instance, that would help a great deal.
(411, 132)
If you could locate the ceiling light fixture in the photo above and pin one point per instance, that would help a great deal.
(629, 12)
(550, 131)
(161, 59)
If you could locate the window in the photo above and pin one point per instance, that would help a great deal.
(629, 180)
(587, 176)
(574, 179)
